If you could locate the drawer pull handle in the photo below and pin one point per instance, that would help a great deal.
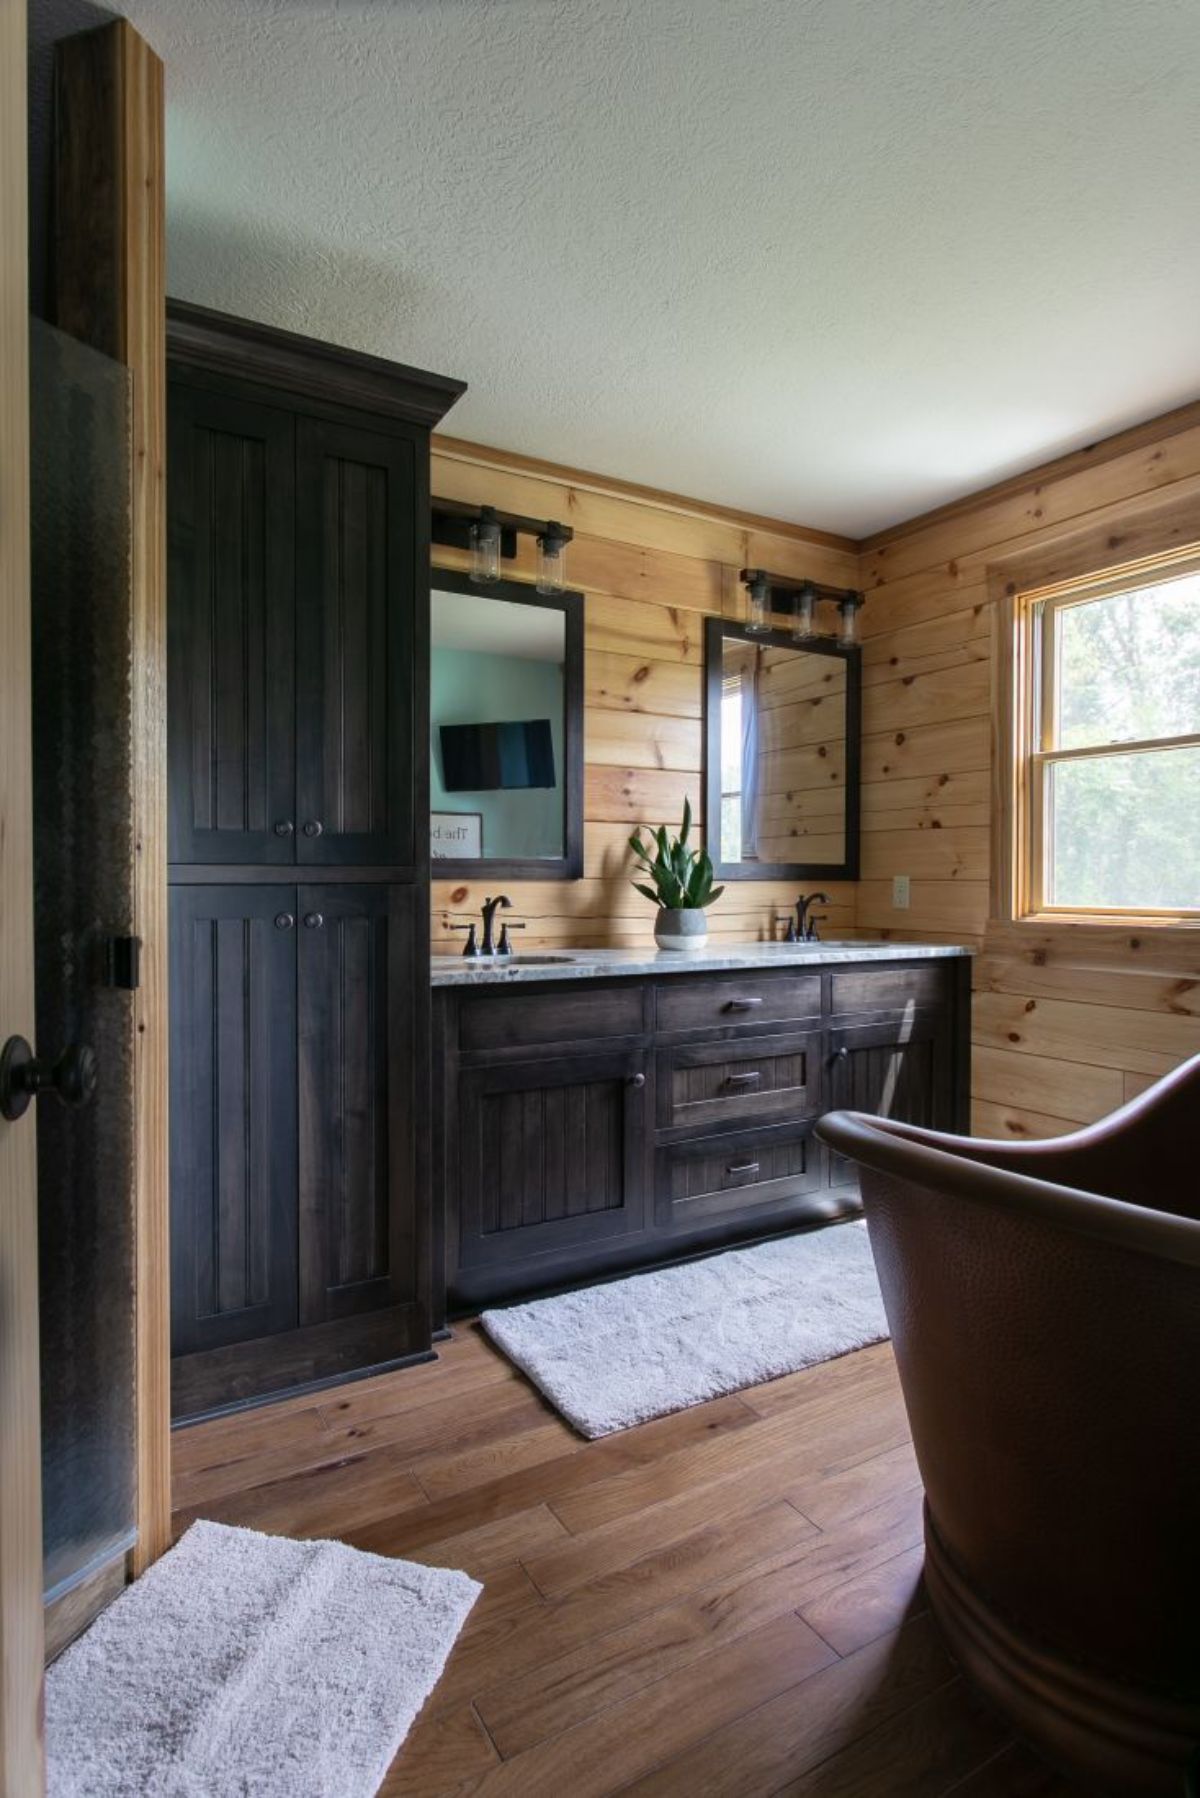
(742, 1167)
(742, 1079)
(742, 1004)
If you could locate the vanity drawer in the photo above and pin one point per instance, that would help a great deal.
(702, 1182)
(771, 1078)
(888, 989)
(708, 1004)
(576, 1016)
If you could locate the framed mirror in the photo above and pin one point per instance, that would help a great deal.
(506, 730)
(782, 753)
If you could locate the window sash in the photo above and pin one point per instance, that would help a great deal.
(1037, 755)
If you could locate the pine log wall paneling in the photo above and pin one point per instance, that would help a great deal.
(652, 568)
(1069, 1021)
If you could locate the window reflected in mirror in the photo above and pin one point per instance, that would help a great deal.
(780, 736)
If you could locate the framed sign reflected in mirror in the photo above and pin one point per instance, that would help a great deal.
(782, 749)
(506, 730)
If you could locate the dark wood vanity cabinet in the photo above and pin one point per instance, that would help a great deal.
(298, 658)
(595, 1125)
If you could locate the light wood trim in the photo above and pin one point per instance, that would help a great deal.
(481, 455)
(1022, 723)
(21, 1769)
(111, 291)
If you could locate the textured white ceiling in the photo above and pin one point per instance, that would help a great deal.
(831, 260)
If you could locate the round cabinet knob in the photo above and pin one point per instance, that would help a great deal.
(313, 827)
(313, 920)
(284, 920)
(842, 1054)
(284, 827)
(637, 1081)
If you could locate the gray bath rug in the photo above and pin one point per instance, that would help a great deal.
(249, 1665)
(615, 1355)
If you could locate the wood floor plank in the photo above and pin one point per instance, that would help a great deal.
(444, 1475)
(651, 1443)
(848, 1374)
(780, 1450)
(610, 1666)
(933, 1744)
(790, 1735)
(444, 1751)
(476, 1417)
(601, 1755)
(480, 1551)
(869, 1604)
(831, 1496)
(1014, 1773)
(329, 1500)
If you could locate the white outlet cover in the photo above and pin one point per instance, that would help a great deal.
(900, 892)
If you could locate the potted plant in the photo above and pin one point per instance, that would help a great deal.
(683, 884)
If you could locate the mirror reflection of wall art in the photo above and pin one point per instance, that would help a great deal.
(455, 834)
(505, 748)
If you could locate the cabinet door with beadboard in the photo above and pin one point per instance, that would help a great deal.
(358, 1031)
(231, 616)
(233, 1114)
(357, 586)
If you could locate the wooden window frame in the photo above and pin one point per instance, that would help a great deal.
(1023, 732)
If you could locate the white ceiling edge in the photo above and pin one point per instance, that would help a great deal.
(828, 261)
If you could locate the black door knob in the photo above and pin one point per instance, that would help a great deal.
(284, 920)
(72, 1078)
(313, 828)
(284, 827)
(313, 920)
(637, 1080)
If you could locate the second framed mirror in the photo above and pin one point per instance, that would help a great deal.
(506, 730)
(782, 751)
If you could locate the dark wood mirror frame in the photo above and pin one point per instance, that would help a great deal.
(568, 866)
(718, 631)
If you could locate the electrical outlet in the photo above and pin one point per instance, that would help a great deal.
(900, 892)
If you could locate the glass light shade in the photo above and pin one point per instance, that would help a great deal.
(758, 604)
(485, 547)
(803, 618)
(849, 608)
(551, 560)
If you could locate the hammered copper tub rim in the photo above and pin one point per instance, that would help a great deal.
(949, 1165)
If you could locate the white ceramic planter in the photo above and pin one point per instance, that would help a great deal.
(681, 929)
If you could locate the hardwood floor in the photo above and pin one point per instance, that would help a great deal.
(724, 1601)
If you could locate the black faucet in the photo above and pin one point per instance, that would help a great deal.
(806, 927)
(490, 908)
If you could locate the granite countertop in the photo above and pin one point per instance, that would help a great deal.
(593, 964)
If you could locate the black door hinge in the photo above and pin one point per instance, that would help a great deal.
(123, 962)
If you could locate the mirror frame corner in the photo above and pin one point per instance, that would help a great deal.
(569, 865)
(716, 632)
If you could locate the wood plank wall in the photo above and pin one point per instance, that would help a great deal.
(1069, 1021)
(652, 568)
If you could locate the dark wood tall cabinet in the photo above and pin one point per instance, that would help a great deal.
(298, 509)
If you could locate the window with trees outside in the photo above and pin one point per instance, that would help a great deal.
(1111, 753)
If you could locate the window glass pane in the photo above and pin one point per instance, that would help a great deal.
(1122, 831)
(1128, 665)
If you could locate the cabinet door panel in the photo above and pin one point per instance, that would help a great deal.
(233, 1114)
(899, 1068)
(357, 586)
(357, 1049)
(550, 1154)
(230, 630)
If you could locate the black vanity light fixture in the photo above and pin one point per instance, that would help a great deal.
(492, 535)
(768, 593)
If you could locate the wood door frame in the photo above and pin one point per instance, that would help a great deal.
(21, 1639)
(110, 292)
